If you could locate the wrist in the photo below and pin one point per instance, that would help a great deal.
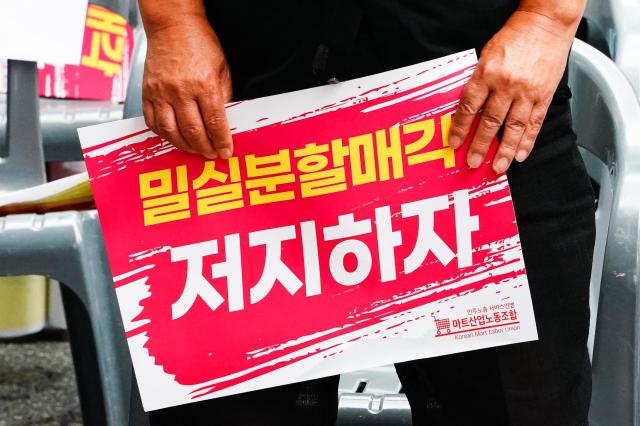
(174, 27)
(526, 20)
(156, 21)
(561, 15)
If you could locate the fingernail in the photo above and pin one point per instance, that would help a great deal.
(225, 153)
(454, 141)
(212, 156)
(475, 160)
(501, 165)
(521, 155)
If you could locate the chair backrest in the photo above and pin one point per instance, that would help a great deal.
(607, 120)
(22, 165)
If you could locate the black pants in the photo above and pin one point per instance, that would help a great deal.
(312, 403)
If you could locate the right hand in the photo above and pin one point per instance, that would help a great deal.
(185, 86)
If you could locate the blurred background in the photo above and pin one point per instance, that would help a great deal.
(63, 356)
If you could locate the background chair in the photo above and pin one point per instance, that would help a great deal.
(67, 246)
(607, 121)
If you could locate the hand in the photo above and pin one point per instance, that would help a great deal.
(517, 74)
(186, 83)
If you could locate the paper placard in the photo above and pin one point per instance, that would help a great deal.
(344, 233)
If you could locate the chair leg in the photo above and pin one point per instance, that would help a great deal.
(78, 260)
(84, 354)
(113, 355)
(85, 271)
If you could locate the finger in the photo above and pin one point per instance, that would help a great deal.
(215, 121)
(514, 127)
(473, 98)
(167, 127)
(534, 124)
(149, 119)
(192, 128)
(491, 119)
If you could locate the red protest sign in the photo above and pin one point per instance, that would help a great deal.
(344, 233)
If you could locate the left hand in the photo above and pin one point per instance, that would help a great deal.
(517, 74)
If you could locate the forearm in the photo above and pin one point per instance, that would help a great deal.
(158, 15)
(563, 15)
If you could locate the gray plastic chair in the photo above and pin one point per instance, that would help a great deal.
(68, 247)
(65, 246)
(607, 120)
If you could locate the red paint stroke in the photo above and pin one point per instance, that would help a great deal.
(112, 141)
